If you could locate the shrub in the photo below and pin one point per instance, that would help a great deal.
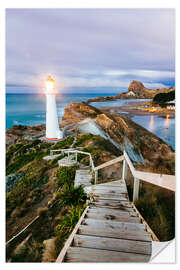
(72, 196)
(42, 212)
(34, 177)
(66, 225)
(81, 139)
(66, 143)
(65, 175)
(157, 206)
(55, 161)
(164, 97)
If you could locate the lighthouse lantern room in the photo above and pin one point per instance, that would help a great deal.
(52, 127)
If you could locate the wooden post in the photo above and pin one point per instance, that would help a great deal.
(96, 176)
(76, 156)
(124, 170)
(90, 161)
(136, 190)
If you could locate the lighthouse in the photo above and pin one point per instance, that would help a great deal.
(52, 127)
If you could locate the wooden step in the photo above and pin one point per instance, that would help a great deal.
(121, 205)
(106, 188)
(114, 224)
(113, 183)
(113, 217)
(107, 211)
(110, 191)
(113, 244)
(76, 254)
(120, 197)
(114, 233)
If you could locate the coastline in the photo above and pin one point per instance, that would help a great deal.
(131, 109)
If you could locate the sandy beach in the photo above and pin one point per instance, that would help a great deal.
(131, 109)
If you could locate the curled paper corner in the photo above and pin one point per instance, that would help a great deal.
(163, 252)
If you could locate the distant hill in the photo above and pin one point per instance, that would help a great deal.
(164, 97)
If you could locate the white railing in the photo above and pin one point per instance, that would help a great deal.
(161, 180)
(76, 152)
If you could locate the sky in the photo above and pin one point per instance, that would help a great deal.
(89, 48)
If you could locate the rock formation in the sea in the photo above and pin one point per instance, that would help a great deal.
(136, 90)
(136, 86)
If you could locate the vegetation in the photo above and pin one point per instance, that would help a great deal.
(95, 145)
(64, 176)
(22, 153)
(57, 220)
(66, 143)
(29, 185)
(157, 206)
(29, 252)
(164, 97)
(82, 139)
(67, 224)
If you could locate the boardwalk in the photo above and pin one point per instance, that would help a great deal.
(109, 229)
(83, 177)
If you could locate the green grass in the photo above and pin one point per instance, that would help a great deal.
(34, 177)
(24, 152)
(81, 139)
(65, 176)
(65, 225)
(66, 143)
(157, 206)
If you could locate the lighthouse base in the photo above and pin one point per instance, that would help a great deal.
(53, 139)
(50, 140)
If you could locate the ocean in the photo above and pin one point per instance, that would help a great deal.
(30, 109)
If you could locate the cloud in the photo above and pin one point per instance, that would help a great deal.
(93, 46)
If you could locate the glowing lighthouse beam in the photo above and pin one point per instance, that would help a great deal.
(52, 127)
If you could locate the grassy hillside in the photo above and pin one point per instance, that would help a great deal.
(46, 190)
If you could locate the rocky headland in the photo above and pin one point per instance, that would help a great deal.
(142, 146)
(136, 90)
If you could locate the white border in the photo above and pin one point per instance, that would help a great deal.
(73, 4)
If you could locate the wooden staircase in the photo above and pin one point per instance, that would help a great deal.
(109, 230)
(83, 177)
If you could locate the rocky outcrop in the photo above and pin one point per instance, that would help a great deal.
(11, 180)
(136, 86)
(17, 133)
(140, 144)
(136, 90)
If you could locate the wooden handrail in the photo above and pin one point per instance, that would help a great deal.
(161, 180)
(74, 150)
(129, 163)
(108, 163)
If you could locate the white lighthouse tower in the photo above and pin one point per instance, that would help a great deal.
(52, 127)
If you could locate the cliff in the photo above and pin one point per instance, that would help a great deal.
(141, 145)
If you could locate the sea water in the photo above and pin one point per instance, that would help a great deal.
(30, 109)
